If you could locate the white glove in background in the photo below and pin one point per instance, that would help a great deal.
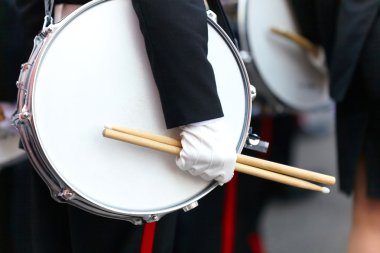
(208, 150)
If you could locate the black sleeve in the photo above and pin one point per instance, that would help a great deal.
(175, 33)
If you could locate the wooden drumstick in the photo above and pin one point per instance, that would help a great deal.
(298, 39)
(121, 136)
(243, 159)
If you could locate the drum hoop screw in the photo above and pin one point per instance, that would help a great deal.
(152, 218)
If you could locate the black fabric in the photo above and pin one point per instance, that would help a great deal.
(81, 2)
(369, 61)
(11, 51)
(358, 124)
(355, 20)
(200, 230)
(357, 92)
(184, 78)
(15, 205)
(317, 20)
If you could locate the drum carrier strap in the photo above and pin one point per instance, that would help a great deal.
(48, 20)
(217, 8)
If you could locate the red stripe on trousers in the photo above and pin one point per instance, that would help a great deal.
(255, 243)
(229, 216)
(266, 133)
(148, 238)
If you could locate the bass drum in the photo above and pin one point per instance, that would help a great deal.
(281, 70)
(83, 74)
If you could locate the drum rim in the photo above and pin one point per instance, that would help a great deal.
(33, 146)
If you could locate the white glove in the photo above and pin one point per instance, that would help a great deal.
(208, 150)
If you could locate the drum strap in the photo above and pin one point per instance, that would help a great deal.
(217, 8)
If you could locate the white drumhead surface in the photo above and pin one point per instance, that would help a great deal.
(96, 72)
(283, 65)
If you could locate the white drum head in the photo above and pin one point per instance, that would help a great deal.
(95, 72)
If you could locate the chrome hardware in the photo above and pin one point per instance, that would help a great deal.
(152, 218)
(48, 20)
(191, 206)
(253, 142)
(24, 71)
(212, 15)
(136, 221)
(46, 31)
(66, 194)
(20, 84)
(245, 56)
(253, 92)
(24, 115)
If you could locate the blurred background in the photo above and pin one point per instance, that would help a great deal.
(313, 223)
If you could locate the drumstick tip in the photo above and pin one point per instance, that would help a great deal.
(107, 126)
(325, 190)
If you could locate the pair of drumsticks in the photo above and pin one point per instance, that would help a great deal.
(249, 165)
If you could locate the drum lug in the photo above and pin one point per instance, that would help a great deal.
(22, 117)
(191, 206)
(245, 56)
(66, 194)
(152, 218)
(253, 92)
(253, 142)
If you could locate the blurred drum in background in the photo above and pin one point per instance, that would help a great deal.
(287, 69)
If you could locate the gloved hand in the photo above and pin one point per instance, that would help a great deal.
(208, 150)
